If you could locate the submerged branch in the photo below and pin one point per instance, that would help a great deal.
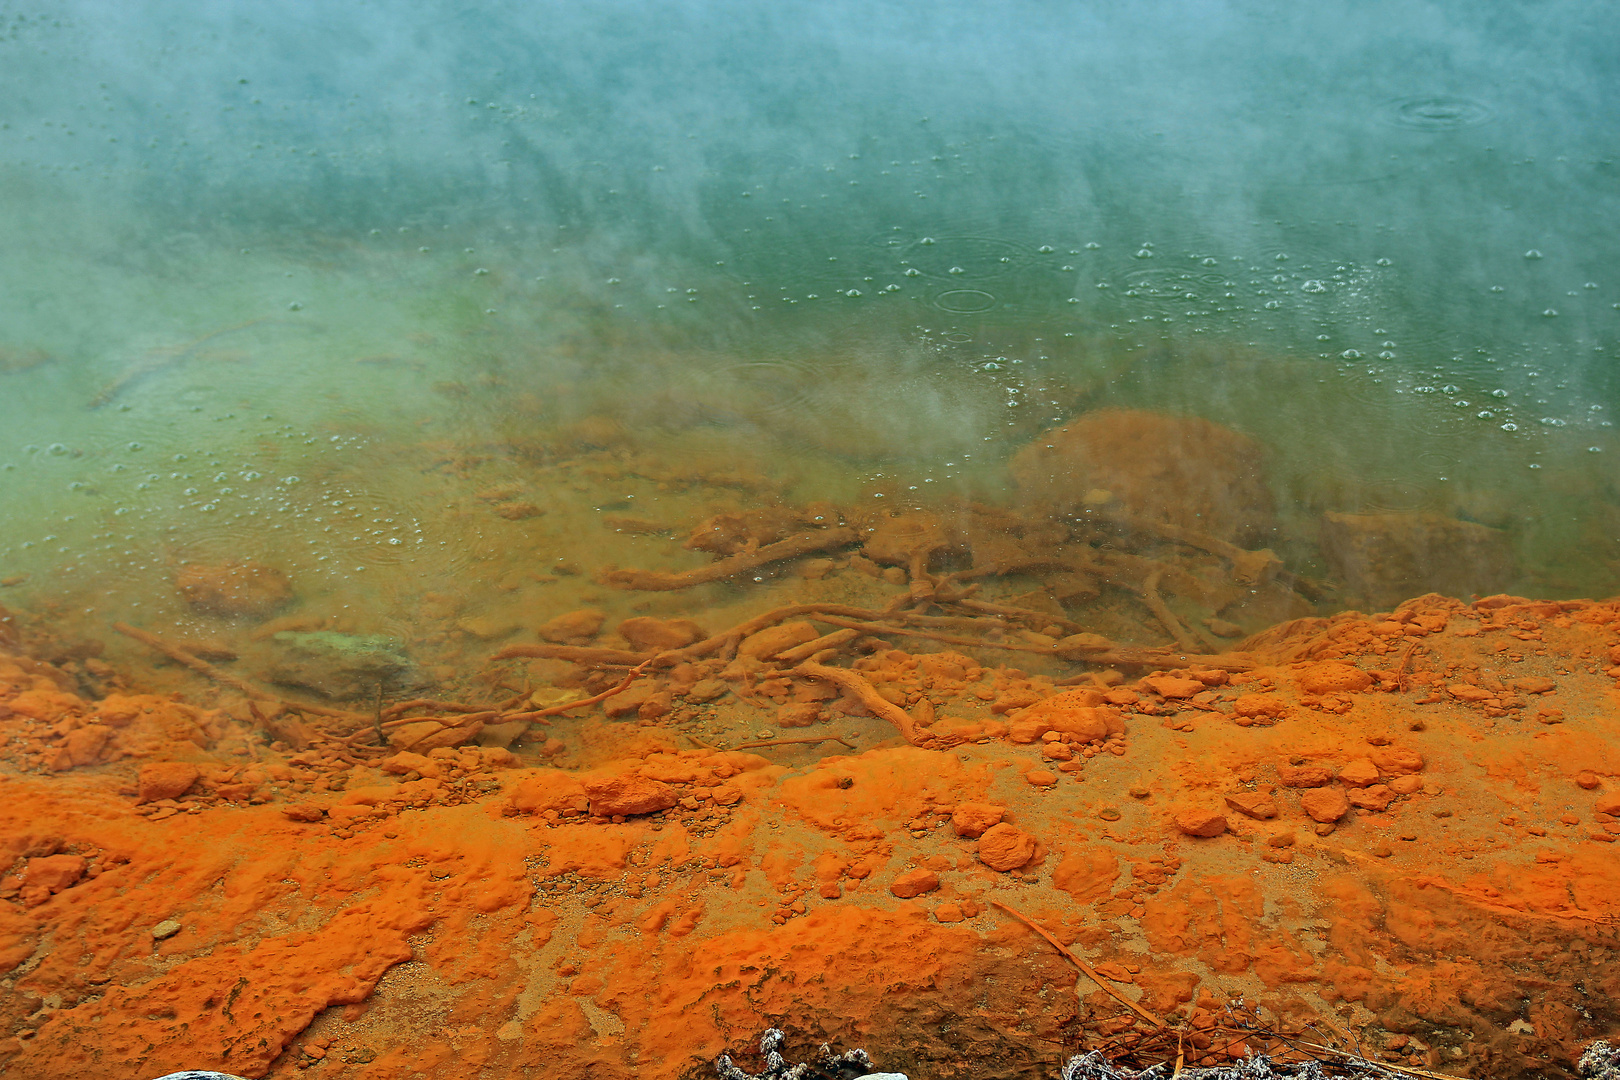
(661, 581)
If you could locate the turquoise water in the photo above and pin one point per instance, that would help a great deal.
(311, 285)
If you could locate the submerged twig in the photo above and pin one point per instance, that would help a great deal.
(1183, 637)
(661, 581)
(868, 696)
(790, 742)
(578, 654)
(568, 706)
(1082, 965)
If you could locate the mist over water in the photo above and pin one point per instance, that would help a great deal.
(271, 278)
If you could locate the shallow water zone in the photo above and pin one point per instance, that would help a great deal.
(359, 361)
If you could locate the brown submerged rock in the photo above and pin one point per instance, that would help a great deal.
(654, 635)
(234, 590)
(1180, 470)
(1384, 558)
(573, 627)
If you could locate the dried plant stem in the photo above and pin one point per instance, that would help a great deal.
(1082, 965)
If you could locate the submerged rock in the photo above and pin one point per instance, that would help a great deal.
(1180, 470)
(1384, 558)
(234, 590)
(341, 666)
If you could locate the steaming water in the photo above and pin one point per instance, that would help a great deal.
(300, 283)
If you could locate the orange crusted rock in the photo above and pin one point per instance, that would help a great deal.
(725, 534)
(1325, 804)
(85, 746)
(893, 541)
(44, 704)
(426, 735)
(1360, 773)
(1200, 822)
(1377, 797)
(1004, 847)
(1406, 785)
(1393, 761)
(633, 697)
(117, 710)
(1173, 686)
(1255, 804)
(954, 729)
(235, 589)
(1303, 776)
(1332, 677)
(55, 872)
(401, 763)
(165, 780)
(1260, 705)
(1074, 712)
(972, 819)
(1608, 804)
(798, 714)
(625, 796)
(914, 883)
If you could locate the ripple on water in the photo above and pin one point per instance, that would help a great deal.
(1436, 112)
(966, 258)
(761, 388)
(965, 301)
(1171, 287)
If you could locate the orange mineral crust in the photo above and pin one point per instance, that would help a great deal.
(1398, 828)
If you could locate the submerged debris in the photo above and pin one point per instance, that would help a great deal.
(1094, 1066)
(1600, 1062)
(828, 1065)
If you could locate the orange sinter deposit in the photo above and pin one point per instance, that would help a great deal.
(1400, 827)
(970, 787)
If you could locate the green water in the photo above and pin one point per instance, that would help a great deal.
(310, 287)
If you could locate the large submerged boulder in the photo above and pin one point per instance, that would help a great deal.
(1384, 558)
(343, 667)
(1179, 470)
(234, 590)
